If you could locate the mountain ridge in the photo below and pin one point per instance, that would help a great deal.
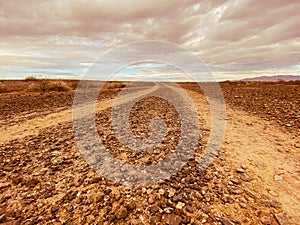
(273, 78)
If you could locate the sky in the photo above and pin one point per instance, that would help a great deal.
(64, 38)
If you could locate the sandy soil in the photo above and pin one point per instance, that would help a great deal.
(253, 148)
(262, 146)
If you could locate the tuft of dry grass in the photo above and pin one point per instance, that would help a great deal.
(114, 85)
(58, 86)
(31, 78)
(43, 85)
(3, 89)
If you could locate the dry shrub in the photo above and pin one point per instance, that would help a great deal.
(114, 85)
(294, 82)
(43, 85)
(31, 78)
(58, 86)
(39, 85)
(3, 89)
(73, 84)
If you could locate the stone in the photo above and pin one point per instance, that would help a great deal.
(151, 199)
(189, 209)
(240, 170)
(236, 180)
(252, 194)
(277, 178)
(155, 220)
(154, 209)
(266, 220)
(171, 193)
(173, 219)
(273, 193)
(121, 213)
(177, 198)
(281, 219)
(135, 222)
(243, 205)
(245, 177)
(228, 199)
(180, 205)
(206, 209)
(225, 222)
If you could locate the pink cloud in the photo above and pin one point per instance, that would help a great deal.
(221, 32)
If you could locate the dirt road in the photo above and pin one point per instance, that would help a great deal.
(264, 148)
(250, 143)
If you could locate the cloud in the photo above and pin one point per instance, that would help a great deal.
(229, 35)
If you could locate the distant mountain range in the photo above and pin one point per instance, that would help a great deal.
(273, 78)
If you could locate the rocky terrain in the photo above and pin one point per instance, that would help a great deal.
(272, 101)
(45, 179)
(277, 102)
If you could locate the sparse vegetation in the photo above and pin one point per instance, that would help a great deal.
(114, 85)
(58, 86)
(31, 78)
(43, 85)
(3, 89)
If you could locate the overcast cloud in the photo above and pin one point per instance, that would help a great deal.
(236, 38)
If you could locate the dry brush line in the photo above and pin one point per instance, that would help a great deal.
(44, 85)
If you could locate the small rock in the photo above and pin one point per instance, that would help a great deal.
(180, 205)
(266, 220)
(173, 219)
(171, 193)
(273, 193)
(151, 200)
(121, 213)
(228, 199)
(54, 209)
(154, 209)
(135, 222)
(90, 219)
(278, 178)
(236, 180)
(206, 209)
(245, 177)
(32, 182)
(189, 209)
(155, 220)
(225, 222)
(240, 170)
(177, 198)
(2, 218)
(243, 205)
(168, 210)
(252, 194)
(161, 191)
(281, 219)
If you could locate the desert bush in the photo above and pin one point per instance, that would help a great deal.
(73, 84)
(3, 89)
(281, 81)
(58, 86)
(114, 85)
(294, 82)
(43, 85)
(40, 85)
(31, 78)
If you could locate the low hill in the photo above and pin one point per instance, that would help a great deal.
(273, 78)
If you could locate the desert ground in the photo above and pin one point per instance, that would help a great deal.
(44, 179)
